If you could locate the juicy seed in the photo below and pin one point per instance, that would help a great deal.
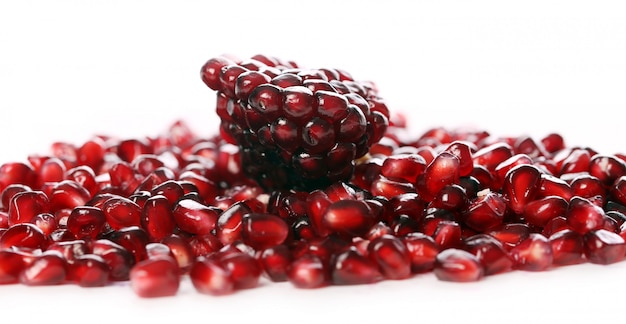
(458, 266)
(209, 277)
(155, 278)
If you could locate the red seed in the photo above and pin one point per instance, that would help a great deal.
(458, 266)
(89, 270)
(156, 218)
(24, 206)
(307, 271)
(533, 253)
(244, 269)
(47, 269)
(11, 265)
(23, 235)
(68, 194)
(261, 231)
(121, 212)
(118, 258)
(540, 211)
(351, 268)
(568, 247)
(155, 278)
(442, 171)
(422, 251)
(275, 261)
(229, 223)
(181, 251)
(86, 222)
(604, 247)
(208, 276)
(391, 256)
(584, 216)
(490, 252)
(70, 249)
(485, 212)
(348, 217)
(520, 186)
(194, 217)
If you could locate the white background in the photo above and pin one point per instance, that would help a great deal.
(71, 69)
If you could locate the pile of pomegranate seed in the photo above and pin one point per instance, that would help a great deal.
(150, 211)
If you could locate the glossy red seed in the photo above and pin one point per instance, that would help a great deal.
(490, 252)
(485, 212)
(540, 211)
(244, 269)
(23, 235)
(510, 234)
(24, 206)
(52, 170)
(391, 256)
(308, 271)
(584, 216)
(47, 269)
(155, 278)
(568, 247)
(46, 222)
(533, 254)
(194, 217)
(403, 168)
(11, 265)
(204, 245)
(261, 230)
(134, 239)
(447, 234)
(604, 247)
(68, 194)
(86, 222)
(520, 186)
(348, 217)
(157, 219)
(118, 258)
(458, 266)
(442, 171)
(422, 251)
(121, 212)
(229, 223)
(209, 277)
(181, 251)
(89, 270)
(351, 268)
(491, 156)
(17, 173)
(274, 262)
(554, 225)
(463, 151)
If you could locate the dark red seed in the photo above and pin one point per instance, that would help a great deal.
(194, 217)
(209, 277)
(229, 223)
(134, 239)
(157, 219)
(520, 186)
(17, 173)
(307, 271)
(275, 261)
(584, 216)
(422, 251)
(181, 251)
(244, 269)
(403, 168)
(490, 252)
(604, 247)
(48, 268)
(261, 230)
(86, 222)
(533, 254)
(89, 270)
(458, 266)
(118, 258)
(24, 206)
(68, 194)
(442, 171)
(121, 212)
(23, 235)
(155, 278)
(540, 211)
(348, 217)
(568, 247)
(351, 268)
(485, 212)
(510, 234)
(11, 265)
(391, 256)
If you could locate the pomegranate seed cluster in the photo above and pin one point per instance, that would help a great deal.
(462, 204)
(297, 128)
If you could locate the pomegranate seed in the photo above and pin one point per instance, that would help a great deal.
(204, 245)
(352, 268)
(485, 212)
(490, 252)
(553, 142)
(491, 156)
(568, 247)
(118, 259)
(458, 266)
(68, 194)
(89, 270)
(540, 211)
(403, 168)
(442, 171)
(209, 277)
(584, 216)
(229, 223)
(11, 265)
(533, 254)
(554, 225)
(194, 217)
(307, 271)
(447, 234)
(510, 234)
(604, 247)
(46, 222)
(23, 235)
(422, 251)
(121, 212)
(24, 206)
(181, 251)
(391, 256)
(17, 173)
(348, 217)
(262, 231)
(86, 222)
(244, 269)
(155, 278)
(156, 218)
(134, 239)
(47, 269)
(520, 186)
